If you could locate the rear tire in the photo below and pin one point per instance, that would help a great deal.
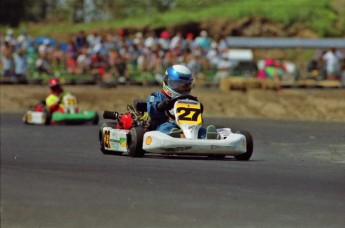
(135, 142)
(95, 119)
(249, 146)
(48, 118)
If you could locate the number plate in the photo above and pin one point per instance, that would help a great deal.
(188, 113)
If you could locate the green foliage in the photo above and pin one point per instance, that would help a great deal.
(317, 15)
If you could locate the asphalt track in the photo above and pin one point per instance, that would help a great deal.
(56, 176)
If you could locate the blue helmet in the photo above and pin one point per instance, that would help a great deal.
(178, 80)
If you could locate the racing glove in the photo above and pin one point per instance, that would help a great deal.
(161, 106)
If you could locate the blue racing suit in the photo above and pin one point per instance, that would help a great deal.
(160, 120)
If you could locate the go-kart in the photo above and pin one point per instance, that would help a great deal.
(39, 114)
(137, 138)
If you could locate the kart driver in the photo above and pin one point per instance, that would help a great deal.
(54, 99)
(178, 81)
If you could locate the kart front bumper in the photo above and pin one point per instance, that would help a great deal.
(158, 142)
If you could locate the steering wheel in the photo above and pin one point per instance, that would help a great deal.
(172, 102)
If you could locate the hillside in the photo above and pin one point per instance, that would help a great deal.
(291, 18)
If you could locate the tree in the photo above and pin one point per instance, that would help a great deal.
(12, 12)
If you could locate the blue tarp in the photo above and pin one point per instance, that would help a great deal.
(52, 42)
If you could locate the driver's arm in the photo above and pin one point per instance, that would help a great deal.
(152, 102)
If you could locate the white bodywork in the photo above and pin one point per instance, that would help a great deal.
(115, 139)
(34, 117)
(158, 142)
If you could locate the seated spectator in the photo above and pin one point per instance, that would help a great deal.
(97, 66)
(42, 64)
(71, 57)
(83, 61)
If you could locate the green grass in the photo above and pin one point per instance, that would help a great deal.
(323, 16)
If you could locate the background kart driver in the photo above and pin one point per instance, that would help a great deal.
(54, 99)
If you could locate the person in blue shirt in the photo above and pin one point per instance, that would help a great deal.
(178, 81)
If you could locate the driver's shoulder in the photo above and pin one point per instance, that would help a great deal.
(155, 95)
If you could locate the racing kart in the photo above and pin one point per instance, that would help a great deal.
(39, 114)
(137, 137)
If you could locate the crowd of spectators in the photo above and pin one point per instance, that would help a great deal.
(112, 55)
(120, 56)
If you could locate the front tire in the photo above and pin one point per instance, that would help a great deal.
(135, 142)
(249, 146)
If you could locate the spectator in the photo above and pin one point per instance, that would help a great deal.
(117, 65)
(44, 48)
(223, 68)
(10, 38)
(164, 40)
(83, 61)
(93, 39)
(80, 40)
(21, 64)
(203, 42)
(57, 56)
(97, 66)
(71, 57)
(42, 64)
(23, 40)
(176, 41)
(332, 60)
(7, 59)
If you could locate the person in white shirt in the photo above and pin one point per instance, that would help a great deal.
(332, 60)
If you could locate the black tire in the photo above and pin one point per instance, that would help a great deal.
(25, 118)
(48, 118)
(95, 119)
(250, 146)
(135, 142)
(101, 137)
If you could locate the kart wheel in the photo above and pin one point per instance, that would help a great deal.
(250, 146)
(135, 142)
(25, 119)
(95, 119)
(48, 119)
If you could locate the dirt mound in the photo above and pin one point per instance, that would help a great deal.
(248, 27)
(299, 104)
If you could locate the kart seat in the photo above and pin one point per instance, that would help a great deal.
(140, 105)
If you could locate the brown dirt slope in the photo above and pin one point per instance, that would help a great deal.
(312, 104)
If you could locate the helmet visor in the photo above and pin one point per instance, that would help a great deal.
(181, 86)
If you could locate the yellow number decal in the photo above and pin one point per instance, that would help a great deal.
(71, 101)
(107, 138)
(188, 114)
